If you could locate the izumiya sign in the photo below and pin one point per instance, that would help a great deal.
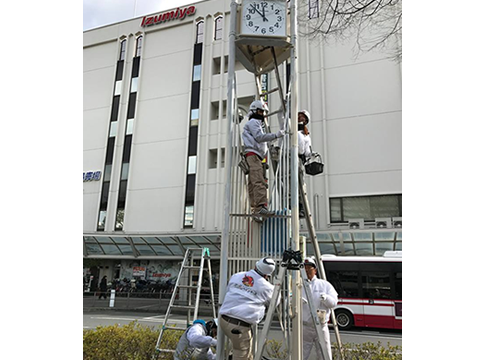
(167, 16)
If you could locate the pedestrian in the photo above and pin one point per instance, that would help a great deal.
(255, 141)
(196, 341)
(103, 287)
(248, 293)
(325, 298)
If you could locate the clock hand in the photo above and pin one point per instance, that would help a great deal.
(264, 18)
(254, 8)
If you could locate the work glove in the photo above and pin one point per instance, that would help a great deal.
(280, 133)
(214, 342)
(323, 297)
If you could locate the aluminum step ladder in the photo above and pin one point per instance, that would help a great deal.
(190, 300)
(313, 238)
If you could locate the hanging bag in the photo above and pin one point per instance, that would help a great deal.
(243, 164)
(314, 164)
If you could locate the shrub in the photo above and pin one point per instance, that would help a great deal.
(365, 351)
(368, 351)
(137, 342)
(127, 342)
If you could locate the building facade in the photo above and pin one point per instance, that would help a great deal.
(155, 135)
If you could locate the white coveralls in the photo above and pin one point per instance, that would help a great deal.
(304, 144)
(194, 344)
(247, 295)
(318, 287)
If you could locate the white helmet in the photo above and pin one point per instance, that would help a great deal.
(258, 104)
(265, 266)
(310, 261)
(307, 115)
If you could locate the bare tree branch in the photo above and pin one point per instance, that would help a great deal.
(375, 24)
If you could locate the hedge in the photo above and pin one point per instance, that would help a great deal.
(137, 342)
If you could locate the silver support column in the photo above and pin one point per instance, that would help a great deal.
(297, 326)
(229, 169)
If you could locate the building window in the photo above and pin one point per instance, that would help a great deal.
(188, 222)
(192, 164)
(313, 11)
(123, 47)
(197, 71)
(138, 48)
(113, 129)
(365, 207)
(134, 85)
(118, 88)
(129, 127)
(200, 27)
(101, 220)
(218, 28)
(194, 117)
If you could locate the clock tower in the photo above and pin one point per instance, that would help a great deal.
(263, 29)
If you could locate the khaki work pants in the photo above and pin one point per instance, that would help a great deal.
(241, 339)
(257, 191)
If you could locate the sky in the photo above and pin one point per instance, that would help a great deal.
(103, 12)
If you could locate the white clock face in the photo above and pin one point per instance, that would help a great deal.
(263, 18)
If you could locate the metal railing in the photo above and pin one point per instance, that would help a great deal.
(136, 300)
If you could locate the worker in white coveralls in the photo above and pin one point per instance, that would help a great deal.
(248, 293)
(325, 298)
(196, 341)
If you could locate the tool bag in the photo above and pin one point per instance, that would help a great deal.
(314, 164)
(243, 164)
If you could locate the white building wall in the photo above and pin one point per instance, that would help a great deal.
(356, 121)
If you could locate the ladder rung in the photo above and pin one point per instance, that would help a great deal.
(191, 267)
(270, 91)
(261, 215)
(275, 112)
(167, 350)
(188, 286)
(183, 306)
(173, 328)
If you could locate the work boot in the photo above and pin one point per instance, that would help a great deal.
(257, 218)
(265, 211)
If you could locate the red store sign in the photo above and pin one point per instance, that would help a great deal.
(167, 16)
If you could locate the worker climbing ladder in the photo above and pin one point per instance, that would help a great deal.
(187, 293)
(243, 240)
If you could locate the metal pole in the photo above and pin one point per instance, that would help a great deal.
(297, 336)
(229, 169)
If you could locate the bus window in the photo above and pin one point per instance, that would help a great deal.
(345, 282)
(376, 285)
(398, 286)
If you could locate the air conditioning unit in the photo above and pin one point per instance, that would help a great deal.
(356, 223)
(397, 222)
(383, 223)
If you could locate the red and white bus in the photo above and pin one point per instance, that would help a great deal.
(369, 289)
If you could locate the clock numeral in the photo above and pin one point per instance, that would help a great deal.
(250, 23)
(256, 28)
(279, 18)
(248, 17)
(276, 25)
(271, 29)
(276, 11)
(264, 31)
